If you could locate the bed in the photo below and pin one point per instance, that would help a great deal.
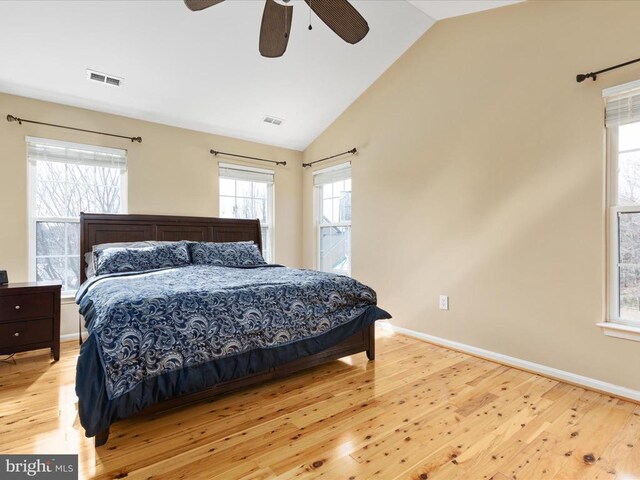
(166, 337)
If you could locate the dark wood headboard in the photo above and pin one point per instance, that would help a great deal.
(109, 228)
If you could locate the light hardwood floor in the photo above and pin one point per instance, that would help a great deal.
(418, 411)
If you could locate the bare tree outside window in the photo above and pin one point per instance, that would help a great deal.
(62, 191)
(628, 189)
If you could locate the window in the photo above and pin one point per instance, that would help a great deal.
(623, 138)
(247, 192)
(64, 180)
(333, 198)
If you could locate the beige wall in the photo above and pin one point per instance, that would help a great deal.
(480, 176)
(171, 173)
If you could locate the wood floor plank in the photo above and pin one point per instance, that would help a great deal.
(418, 411)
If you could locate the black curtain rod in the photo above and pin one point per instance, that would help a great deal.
(353, 151)
(583, 76)
(11, 118)
(216, 153)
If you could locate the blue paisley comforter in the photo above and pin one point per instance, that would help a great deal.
(155, 324)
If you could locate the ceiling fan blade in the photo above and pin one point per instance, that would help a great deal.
(342, 18)
(196, 5)
(275, 29)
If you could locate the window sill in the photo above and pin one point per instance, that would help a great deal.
(618, 330)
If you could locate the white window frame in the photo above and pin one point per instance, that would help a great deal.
(268, 243)
(613, 325)
(31, 202)
(318, 215)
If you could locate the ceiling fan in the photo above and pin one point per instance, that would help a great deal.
(339, 15)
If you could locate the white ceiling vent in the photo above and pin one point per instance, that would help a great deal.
(273, 120)
(104, 78)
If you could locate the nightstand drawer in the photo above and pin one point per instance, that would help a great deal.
(25, 333)
(23, 307)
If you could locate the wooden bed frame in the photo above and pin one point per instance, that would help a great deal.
(106, 228)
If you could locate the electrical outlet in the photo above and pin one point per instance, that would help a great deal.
(444, 302)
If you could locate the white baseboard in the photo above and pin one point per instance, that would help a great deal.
(72, 336)
(590, 383)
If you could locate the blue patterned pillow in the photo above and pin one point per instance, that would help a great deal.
(229, 254)
(118, 260)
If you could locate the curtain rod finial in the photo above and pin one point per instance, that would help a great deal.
(583, 76)
(11, 118)
(136, 139)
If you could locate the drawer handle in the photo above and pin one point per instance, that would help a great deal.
(17, 307)
(17, 334)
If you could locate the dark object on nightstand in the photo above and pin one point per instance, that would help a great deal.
(4, 278)
(30, 317)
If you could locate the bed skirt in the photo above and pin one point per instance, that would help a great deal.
(97, 412)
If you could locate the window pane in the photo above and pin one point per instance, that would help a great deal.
(64, 269)
(227, 207)
(109, 198)
(629, 178)
(260, 190)
(244, 208)
(629, 243)
(51, 171)
(326, 214)
(73, 239)
(335, 209)
(98, 198)
(327, 191)
(629, 136)
(72, 273)
(243, 188)
(335, 249)
(92, 189)
(266, 244)
(629, 270)
(630, 293)
(345, 207)
(83, 174)
(227, 187)
(51, 199)
(50, 238)
(58, 253)
(50, 268)
(260, 209)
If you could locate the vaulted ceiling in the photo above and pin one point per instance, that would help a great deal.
(202, 70)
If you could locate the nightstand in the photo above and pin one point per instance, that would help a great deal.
(30, 317)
